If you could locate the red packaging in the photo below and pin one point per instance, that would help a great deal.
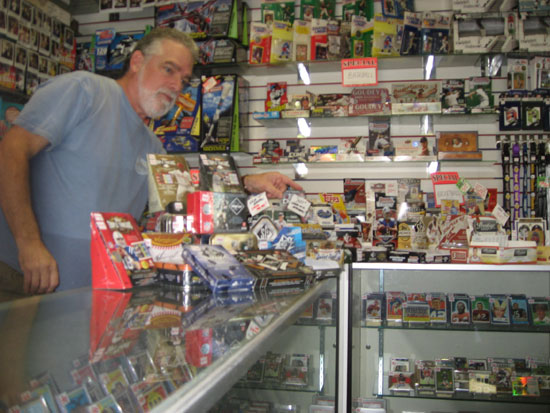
(120, 257)
(200, 212)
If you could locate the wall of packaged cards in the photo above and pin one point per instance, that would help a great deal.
(475, 120)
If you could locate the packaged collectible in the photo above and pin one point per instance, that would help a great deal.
(503, 370)
(412, 39)
(400, 382)
(519, 311)
(444, 384)
(424, 377)
(296, 370)
(361, 36)
(369, 102)
(169, 181)
(325, 310)
(539, 311)
(319, 40)
(480, 310)
(120, 257)
(525, 386)
(416, 309)
(218, 268)
(277, 10)
(453, 92)
(500, 311)
(460, 309)
(374, 304)
(396, 8)
(260, 43)
(385, 38)
(435, 33)
(394, 307)
(416, 97)
(479, 98)
(281, 42)
(458, 145)
(275, 269)
(273, 367)
(482, 382)
(301, 41)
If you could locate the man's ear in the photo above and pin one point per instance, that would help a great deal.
(136, 61)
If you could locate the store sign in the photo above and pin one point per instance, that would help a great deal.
(360, 72)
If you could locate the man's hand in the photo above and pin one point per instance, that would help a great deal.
(39, 268)
(273, 184)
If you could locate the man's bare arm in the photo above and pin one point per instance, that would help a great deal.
(38, 265)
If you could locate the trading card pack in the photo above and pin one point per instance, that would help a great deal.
(218, 268)
(500, 311)
(460, 309)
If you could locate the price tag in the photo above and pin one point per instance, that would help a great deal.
(500, 214)
(257, 203)
(299, 205)
(360, 72)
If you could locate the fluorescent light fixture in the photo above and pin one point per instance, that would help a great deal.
(304, 128)
(429, 67)
(301, 169)
(303, 73)
(432, 167)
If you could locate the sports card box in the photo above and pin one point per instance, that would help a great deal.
(120, 257)
(452, 98)
(416, 97)
(460, 309)
(168, 180)
(218, 173)
(369, 102)
(179, 129)
(276, 269)
(218, 268)
(222, 105)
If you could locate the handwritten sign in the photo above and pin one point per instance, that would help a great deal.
(360, 72)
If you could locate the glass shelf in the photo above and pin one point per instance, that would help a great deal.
(513, 328)
(503, 398)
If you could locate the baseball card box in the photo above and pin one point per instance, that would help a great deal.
(120, 257)
(276, 269)
(221, 270)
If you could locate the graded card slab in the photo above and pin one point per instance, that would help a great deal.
(461, 380)
(273, 367)
(480, 310)
(400, 381)
(400, 364)
(444, 380)
(394, 307)
(525, 386)
(539, 310)
(519, 311)
(296, 370)
(438, 307)
(256, 373)
(460, 309)
(425, 377)
(373, 308)
(477, 364)
(416, 309)
(325, 308)
(72, 399)
(500, 314)
(482, 382)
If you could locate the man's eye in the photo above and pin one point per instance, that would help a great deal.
(168, 70)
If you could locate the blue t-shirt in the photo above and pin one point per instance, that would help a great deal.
(96, 161)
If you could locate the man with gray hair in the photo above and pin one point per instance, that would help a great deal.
(80, 145)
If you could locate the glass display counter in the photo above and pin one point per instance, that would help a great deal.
(158, 349)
